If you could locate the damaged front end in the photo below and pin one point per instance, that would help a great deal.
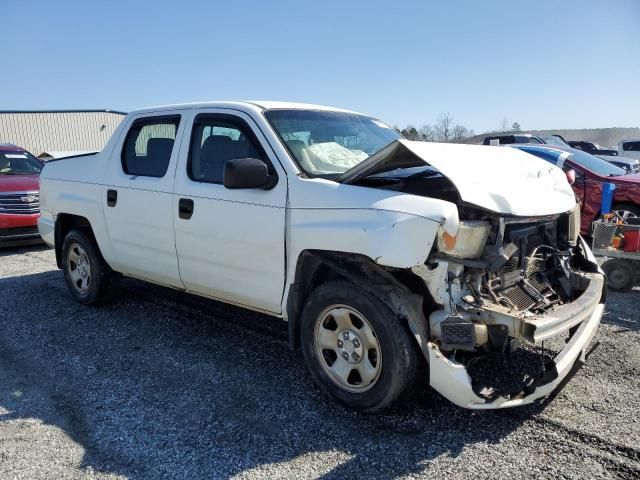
(506, 285)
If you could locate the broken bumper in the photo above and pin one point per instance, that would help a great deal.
(452, 380)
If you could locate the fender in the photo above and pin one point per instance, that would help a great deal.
(364, 273)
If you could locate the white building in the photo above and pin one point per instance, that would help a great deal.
(58, 130)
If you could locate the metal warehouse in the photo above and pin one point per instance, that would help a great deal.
(58, 130)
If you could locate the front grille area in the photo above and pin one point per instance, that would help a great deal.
(20, 203)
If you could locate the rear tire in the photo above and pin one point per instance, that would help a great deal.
(358, 351)
(89, 279)
(620, 274)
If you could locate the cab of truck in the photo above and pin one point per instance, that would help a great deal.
(629, 148)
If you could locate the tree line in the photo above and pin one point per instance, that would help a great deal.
(447, 130)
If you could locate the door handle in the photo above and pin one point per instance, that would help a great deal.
(185, 208)
(112, 198)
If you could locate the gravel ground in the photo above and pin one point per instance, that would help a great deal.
(165, 385)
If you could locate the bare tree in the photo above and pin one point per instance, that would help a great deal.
(459, 133)
(445, 130)
(444, 127)
(504, 125)
(427, 133)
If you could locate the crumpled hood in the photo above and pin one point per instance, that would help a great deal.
(503, 180)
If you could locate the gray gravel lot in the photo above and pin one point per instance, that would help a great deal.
(165, 385)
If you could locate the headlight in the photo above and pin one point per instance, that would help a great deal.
(468, 242)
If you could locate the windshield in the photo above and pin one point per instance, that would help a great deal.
(19, 163)
(553, 140)
(595, 164)
(329, 143)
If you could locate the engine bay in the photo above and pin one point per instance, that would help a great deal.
(495, 305)
(540, 272)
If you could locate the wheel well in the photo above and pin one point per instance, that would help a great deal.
(66, 222)
(627, 205)
(315, 267)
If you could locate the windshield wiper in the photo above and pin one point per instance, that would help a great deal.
(425, 172)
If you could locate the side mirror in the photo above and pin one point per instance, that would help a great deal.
(247, 173)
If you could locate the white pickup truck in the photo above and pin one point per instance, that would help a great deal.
(395, 263)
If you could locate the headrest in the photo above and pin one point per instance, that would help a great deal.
(216, 140)
(296, 144)
(159, 147)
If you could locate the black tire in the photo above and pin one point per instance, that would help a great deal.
(620, 274)
(401, 363)
(100, 280)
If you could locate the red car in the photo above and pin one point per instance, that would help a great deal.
(19, 196)
(591, 173)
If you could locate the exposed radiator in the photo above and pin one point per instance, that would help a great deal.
(522, 288)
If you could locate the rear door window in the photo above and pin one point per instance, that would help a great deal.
(148, 146)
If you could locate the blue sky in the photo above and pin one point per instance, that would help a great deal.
(545, 64)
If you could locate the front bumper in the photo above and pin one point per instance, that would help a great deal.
(47, 228)
(18, 230)
(453, 382)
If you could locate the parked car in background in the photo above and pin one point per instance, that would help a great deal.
(511, 138)
(629, 148)
(19, 196)
(591, 173)
(592, 148)
(394, 262)
(630, 165)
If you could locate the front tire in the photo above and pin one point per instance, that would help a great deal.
(357, 349)
(88, 277)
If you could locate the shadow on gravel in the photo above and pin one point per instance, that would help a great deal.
(627, 309)
(8, 251)
(164, 385)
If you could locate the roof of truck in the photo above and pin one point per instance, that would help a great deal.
(244, 105)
